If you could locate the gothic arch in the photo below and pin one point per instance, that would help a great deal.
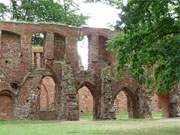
(89, 85)
(48, 92)
(132, 101)
(94, 94)
(47, 98)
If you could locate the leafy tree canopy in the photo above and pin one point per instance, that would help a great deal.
(3, 11)
(149, 42)
(65, 12)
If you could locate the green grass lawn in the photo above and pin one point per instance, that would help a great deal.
(85, 126)
(119, 116)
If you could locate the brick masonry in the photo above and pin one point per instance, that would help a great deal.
(44, 83)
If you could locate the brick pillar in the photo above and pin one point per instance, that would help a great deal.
(35, 60)
(28, 108)
(49, 46)
(59, 96)
(93, 51)
(107, 109)
(72, 112)
(41, 59)
(97, 106)
(38, 60)
(69, 103)
(33, 64)
(26, 51)
(71, 56)
(143, 103)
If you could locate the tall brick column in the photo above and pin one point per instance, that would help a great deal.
(71, 56)
(107, 110)
(49, 46)
(95, 68)
(143, 105)
(69, 93)
(26, 51)
(93, 51)
(28, 106)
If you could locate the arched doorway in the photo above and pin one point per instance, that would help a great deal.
(85, 103)
(6, 105)
(155, 106)
(47, 109)
(120, 105)
(130, 101)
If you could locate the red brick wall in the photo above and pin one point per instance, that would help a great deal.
(6, 107)
(155, 103)
(85, 97)
(164, 104)
(10, 60)
(120, 104)
(85, 100)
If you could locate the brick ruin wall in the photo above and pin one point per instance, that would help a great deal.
(120, 103)
(86, 99)
(44, 83)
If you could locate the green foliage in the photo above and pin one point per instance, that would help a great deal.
(46, 11)
(38, 39)
(116, 3)
(149, 42)
(3, 11)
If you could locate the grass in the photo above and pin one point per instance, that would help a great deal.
(119, 116)
(85, 126)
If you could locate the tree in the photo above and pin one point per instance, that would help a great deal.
(3, 11)
(116, 3)
(149, 42)
(46, 11)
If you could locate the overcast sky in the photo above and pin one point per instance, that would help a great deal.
(101, 16)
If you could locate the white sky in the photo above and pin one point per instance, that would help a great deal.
(101, 16)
